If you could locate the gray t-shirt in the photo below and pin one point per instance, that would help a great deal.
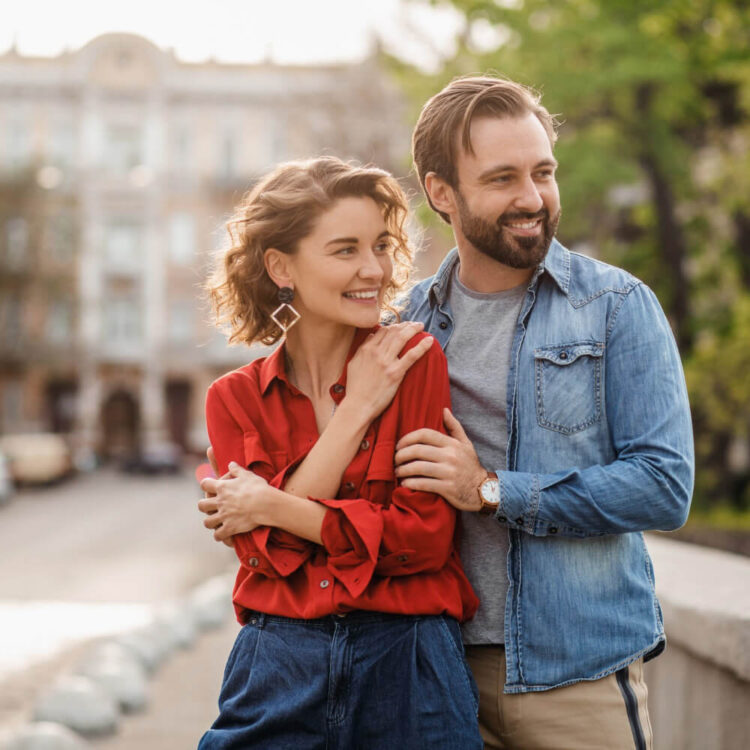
(478, 359)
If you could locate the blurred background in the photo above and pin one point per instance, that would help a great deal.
(126, 138)
(127, 135)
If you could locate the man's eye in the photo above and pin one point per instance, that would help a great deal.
(382, 247)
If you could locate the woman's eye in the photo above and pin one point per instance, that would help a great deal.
(346, 251)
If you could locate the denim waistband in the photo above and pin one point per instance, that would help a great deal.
(355, 617)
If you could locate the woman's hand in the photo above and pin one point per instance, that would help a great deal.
(375, 372)
(234, 504)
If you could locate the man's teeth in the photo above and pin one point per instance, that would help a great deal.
(361, 295)
(524, 224)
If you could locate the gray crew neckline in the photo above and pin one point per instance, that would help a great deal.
(503, 294)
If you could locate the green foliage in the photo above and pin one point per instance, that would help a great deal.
(654, 152)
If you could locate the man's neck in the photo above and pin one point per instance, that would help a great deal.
(483, 274)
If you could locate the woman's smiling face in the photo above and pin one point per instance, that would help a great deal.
(340, 270)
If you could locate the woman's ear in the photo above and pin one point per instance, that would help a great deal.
(440, 192)
(278, 267)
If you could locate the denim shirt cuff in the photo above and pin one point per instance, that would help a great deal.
(519, 500)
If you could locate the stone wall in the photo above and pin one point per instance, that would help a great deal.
(699, 689)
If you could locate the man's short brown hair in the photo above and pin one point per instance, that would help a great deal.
(452, 111)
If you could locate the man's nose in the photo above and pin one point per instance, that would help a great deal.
(528, 197)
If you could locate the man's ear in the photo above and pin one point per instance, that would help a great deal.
(278, 267)
(442, 196)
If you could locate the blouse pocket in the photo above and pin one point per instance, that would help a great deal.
(568, 386)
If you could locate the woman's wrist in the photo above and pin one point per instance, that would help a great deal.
(356, 414)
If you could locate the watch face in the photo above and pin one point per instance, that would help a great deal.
(490, 491)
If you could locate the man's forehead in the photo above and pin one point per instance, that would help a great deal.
(509, 138)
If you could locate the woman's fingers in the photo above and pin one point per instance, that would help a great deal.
(208, 505)
(415, 353)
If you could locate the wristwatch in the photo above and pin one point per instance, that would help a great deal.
(489, 494)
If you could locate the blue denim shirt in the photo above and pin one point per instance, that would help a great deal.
(600, 449)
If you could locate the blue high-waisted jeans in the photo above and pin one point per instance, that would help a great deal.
(365, 680)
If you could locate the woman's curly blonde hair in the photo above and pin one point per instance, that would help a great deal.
(280, 211)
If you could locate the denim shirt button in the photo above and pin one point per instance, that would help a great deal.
(502, 519)
(553, 529)
(443, 324)
(563, 355)
(519, 520)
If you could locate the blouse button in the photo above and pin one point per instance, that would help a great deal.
(325, 583)
(403, 558)
(338, 388)
(364, 445)
(253, 562)
(349, 486)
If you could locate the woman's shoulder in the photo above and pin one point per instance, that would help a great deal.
(245, 378)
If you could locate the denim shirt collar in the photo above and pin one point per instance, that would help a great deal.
(556, 264)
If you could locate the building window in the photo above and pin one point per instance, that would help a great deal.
(63, 146)
(60, 322)
(59, 238)
(124, 148)
(180, 328)
(11, 328)
(12, 406)
(122, 321)
(18, 139)
(182, 238)
(16, 243)
(123, 247)
(228, 155)
(182, 151)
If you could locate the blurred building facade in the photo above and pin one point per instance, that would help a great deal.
(118, 166)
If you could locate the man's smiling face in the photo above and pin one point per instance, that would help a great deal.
(507, 198)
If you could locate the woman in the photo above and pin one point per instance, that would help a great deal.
(350, 588)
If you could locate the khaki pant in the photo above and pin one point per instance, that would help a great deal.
(606, 714)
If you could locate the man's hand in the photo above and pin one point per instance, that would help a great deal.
(447, 465)
(233, 504)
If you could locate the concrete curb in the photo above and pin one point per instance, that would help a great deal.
(111, 678)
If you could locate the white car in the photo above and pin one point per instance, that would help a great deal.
(36, 458)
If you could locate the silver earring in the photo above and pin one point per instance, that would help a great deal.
(285, 316)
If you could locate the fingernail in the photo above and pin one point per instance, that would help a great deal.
(233, 464)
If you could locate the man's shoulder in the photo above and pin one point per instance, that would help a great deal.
(591, 277)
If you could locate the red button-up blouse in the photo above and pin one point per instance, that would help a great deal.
(385, 548)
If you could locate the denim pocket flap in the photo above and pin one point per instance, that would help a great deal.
(566, 354)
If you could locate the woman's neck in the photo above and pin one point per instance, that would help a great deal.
(317, 355)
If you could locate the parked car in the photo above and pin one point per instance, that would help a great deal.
(37, 458)
(6, 481)
(162, 458)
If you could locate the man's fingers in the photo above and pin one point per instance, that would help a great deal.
(425, 484)
(424, 435)
(418, 452)
(454, 427)
(422, 469)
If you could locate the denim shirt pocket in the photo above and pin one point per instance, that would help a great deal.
(568, 386)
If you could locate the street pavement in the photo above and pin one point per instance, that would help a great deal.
(94, 557)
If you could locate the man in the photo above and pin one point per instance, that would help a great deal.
(573, 433)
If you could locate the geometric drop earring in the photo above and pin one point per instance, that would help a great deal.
(285, 316)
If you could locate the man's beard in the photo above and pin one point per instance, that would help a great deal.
(515, 251)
